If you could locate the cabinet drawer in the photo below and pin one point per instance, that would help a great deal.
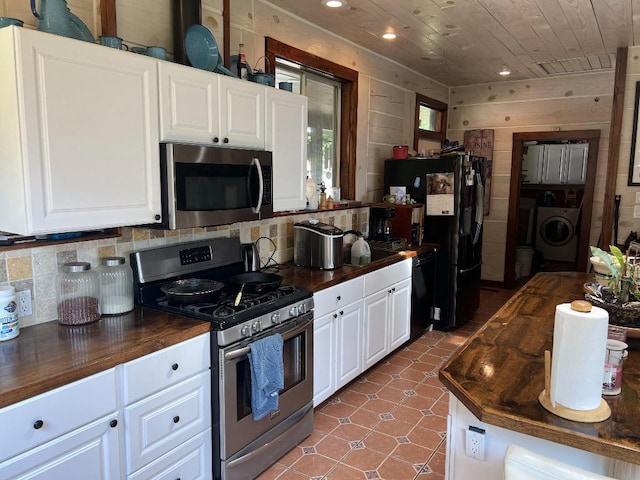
(387, 276)
(329, 299)
(89, 452)
(158, 370)
(190, 460)
(37, 420)
(161, 422)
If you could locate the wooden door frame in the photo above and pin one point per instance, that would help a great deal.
(592, 137)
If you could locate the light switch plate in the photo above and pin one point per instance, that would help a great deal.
(636, 211)
(637, 197)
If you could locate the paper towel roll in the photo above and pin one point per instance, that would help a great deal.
(577, 363)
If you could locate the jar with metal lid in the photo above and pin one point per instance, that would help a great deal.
(78, 294)
(116, 286)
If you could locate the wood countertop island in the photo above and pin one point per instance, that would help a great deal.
(499, 373)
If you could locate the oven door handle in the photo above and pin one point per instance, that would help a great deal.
(230, 355)
(256, 162)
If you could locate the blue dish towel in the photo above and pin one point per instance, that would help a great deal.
(267, 374)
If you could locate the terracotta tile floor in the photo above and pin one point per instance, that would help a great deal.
(391, 422)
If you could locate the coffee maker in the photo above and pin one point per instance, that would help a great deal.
(380, 223)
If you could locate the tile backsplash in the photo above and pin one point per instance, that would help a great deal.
(35, 268)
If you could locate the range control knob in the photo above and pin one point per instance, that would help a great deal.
(245, 331)
(302, 308)
(293, 311)
(257, 326)
(276, 319)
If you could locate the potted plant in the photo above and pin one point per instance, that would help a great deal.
(621, 274)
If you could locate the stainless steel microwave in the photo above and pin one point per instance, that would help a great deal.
(206, 186)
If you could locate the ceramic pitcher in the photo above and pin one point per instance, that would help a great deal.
(54, 17)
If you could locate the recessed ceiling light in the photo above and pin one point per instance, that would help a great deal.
(334, 3)
(505, 71)
(389, 36)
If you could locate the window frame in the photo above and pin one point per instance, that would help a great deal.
(441, 120)
(348, 103)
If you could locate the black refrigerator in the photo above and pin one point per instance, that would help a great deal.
(452, 189)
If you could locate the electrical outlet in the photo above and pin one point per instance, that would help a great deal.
(636, 211)
(23, 299)
(637, 197)
(474, 442)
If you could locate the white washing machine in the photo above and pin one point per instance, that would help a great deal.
(556, 235)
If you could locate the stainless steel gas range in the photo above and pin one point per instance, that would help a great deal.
(243, 447)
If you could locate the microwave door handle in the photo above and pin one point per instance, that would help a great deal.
(256, 162)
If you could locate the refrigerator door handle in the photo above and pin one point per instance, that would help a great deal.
(471, 269)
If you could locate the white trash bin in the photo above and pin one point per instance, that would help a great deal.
(524, 256)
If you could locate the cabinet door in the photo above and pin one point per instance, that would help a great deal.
(532, 164)
(324, 358)
(88, 452)
(376, 311)
(400, 314)
(287, 139)
(553, 163)
(242, 113)
(349, 333)
(90, 127)
(575, 171)
(188, 104)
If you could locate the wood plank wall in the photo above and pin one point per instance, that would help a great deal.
(575, 102)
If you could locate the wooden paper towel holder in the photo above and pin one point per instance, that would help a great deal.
(598, 414)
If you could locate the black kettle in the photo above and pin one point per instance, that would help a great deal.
(250, 257)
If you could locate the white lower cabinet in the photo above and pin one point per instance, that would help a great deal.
(70, 432)
(167, 402)
(387, 311)
(159, 428)
(337, 330)
(357, 323)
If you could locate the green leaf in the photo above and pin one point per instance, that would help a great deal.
(606, 258)
(619, 257)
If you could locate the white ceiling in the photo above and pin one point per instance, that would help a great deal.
(464, 42)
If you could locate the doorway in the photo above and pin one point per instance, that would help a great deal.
(585, 203)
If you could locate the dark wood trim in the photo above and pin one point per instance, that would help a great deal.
(108, 22)
(439, 136)
(491, 284)
(226, 32)
(593, 139)
(349, 103)
(615, 133)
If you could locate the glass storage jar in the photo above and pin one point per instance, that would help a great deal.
(78, 293)
(116, 286)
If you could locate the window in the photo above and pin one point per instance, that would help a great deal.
(332, 92)
(431, 120)
(323, 131)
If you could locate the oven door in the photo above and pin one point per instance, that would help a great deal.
(238, 429)
(204, 186)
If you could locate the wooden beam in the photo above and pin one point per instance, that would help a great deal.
(226, 32)
(615, 134)
(108, 17)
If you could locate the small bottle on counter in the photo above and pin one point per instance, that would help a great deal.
(322, 204)
(116, 286)
(78, 294)
(243, 69)
(9, 327)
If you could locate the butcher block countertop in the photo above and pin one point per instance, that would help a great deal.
(499, 373)
(49, 355)
(316, 280)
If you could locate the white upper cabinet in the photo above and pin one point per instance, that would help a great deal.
(79, 135)
(532, 164)
(575, 170)
(210, 109)
(287, 139)
(553, 163)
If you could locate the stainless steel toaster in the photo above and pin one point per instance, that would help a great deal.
(317, 245)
